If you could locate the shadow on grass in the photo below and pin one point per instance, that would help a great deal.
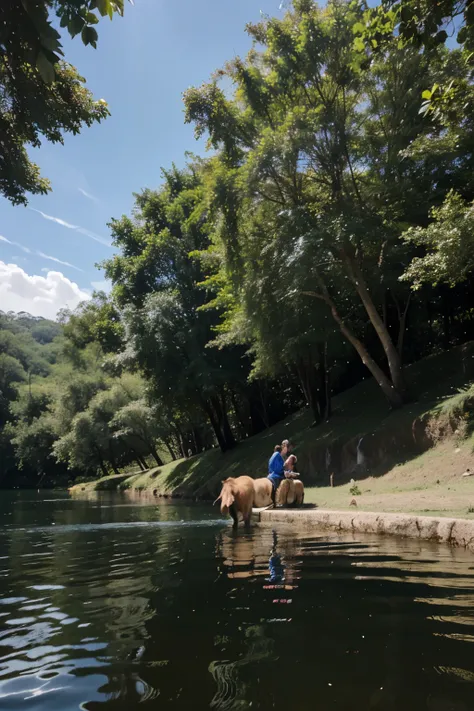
(363, 438)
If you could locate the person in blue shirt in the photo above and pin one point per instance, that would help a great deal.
(276, 471)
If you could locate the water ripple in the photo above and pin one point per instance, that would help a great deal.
(112, 608)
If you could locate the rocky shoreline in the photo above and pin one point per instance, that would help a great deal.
(454, 531)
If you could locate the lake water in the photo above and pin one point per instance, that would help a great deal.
(111, 604)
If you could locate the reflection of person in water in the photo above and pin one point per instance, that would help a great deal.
(277, 569)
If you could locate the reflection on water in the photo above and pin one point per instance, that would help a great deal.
(107, 604)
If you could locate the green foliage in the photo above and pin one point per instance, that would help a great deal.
(43, 96)
(448, 245)
(21, 356)
(417, 22)
(426, 25)
(354, 489)
(96, 320)
(141, 426)
(33, 444)
(11, 373)
(166, 328)
(299, 199)
(314, 247)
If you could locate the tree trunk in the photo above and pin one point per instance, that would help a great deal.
(170, 449)
(311, 384)
(323, 403)
(264, 413)
(101, 462)
(393, 357)
(257, 423)
(213, 419)
(156, 456)
(220, 409)
(384, 307)
(402, 323)
(113, 460)
(391, 393)
(301, 372)
(227, 430)
(195, 446)
(179, 437)
(137, 457)
(446, 317)
(327, 384)
(238, 416)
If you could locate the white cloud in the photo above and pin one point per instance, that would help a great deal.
(88, 195)
(58, 220)
(15, 244)
(40, 254)
(76, 228)
(58, 261)
(39, 295)
(94, 236)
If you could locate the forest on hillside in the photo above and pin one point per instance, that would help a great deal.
(327, 236)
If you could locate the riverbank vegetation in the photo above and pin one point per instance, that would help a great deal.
(416, 459)
(325, 240)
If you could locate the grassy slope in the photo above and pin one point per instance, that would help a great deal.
(401, 482)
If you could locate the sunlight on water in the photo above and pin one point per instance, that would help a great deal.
(108, 607)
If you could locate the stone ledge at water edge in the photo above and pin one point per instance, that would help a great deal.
(456, 531)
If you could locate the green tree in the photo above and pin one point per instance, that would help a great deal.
(33, 444)
(297, 165)
(139, 425)
(84, 446)
(96, 320)
(158, 283)
(11, 373)
(25, 361)
(43, 96)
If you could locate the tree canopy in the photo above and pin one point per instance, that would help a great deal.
(326, 237)
(43, 96)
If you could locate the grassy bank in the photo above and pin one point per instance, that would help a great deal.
(408, 460)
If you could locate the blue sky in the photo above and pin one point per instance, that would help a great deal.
(142, 65)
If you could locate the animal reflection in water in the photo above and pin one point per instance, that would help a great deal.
(250, 556)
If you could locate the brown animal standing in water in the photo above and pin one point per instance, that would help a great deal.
(237, 496)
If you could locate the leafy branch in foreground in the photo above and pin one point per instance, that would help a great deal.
(42, 95)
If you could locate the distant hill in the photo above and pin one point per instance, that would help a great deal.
(22, 315)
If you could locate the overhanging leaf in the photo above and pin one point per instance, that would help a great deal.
(89, 36)
(45, 68)
(104, 7)
(91, 19)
